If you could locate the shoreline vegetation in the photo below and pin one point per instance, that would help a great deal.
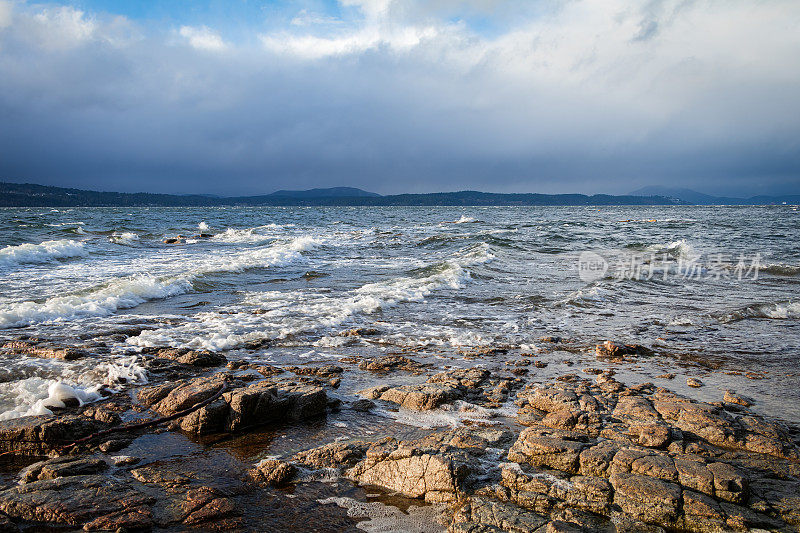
(584, 451)
(31, 195)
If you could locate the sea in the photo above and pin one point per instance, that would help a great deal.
(713, 291)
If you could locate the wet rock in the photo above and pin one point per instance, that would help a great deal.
(373, 393)
(114, 445)
(389, 363)
(149, 396)
(334, 455)
(97, 502)
(39, 435)
(102, 414)
(272, 472)
(362, 405)
(694, 382)
(205, 504)
(185, 395)
(615, 350)
(327, 371)
(551, 339)
(733, 398)
(46, 352)
(157, 474)
(257, 404)
(421, 397)
(186, 356)
(62, 467)
(359, 332)
(124, 460)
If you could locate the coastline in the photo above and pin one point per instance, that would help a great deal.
(567, 439)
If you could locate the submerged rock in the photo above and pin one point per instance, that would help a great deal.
(389, 363)
(47, 352)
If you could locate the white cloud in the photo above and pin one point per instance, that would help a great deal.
(202, 38)
(6, 12)
(579, 87)
(309, 18)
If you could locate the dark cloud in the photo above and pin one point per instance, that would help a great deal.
(574, 97)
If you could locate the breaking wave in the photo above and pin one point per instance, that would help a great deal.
(288, 313)
(44, 252)
(126, 293)
(779, 311)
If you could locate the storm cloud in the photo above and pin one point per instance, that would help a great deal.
(407, 96)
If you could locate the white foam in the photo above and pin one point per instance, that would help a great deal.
(254, 235)
(464, 220)
(36, 396)
(383, 518)
(289, 313)
(44, 252)
(126, 293)
(679, 249)
(452, 415)
(778, 311)
(782, 311)
(119, 294)
(126, 238)
(202, 226)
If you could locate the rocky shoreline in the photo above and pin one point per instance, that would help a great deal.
(581, 451)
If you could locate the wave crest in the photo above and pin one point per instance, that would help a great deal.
(45, 252)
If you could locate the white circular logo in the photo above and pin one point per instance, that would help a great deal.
(591, 266)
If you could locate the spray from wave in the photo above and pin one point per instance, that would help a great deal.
(45, 252)
(289, 313)
(130, 292)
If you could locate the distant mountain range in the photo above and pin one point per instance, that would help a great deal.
(697, 198)
(31, 195)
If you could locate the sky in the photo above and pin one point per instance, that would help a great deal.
(246, 97)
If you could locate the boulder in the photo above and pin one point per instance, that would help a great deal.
(94, 501)
(412, 472)
(272, 472)
(40, 435)
(647, 499)
(548, 447)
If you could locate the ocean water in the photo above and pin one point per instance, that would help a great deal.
(717, 288)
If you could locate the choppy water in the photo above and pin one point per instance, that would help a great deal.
(439, 278)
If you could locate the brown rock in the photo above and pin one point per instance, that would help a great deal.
(732, 397)
(421, 397)
(273, 472)
(389, 363)
(39, 435)
(545, 447)
(647, 499)
(96, 501)
(694, 382)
